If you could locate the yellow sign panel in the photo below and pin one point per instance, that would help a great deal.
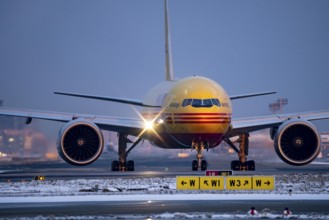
(228, 182)
(239, 183)
(187, 182)
(263, 182)
(211, 183)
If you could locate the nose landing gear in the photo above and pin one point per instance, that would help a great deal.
(242, 163)
(200, 162)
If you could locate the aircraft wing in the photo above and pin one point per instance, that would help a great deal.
(133, 126)
(251, 95)
(250, 124)
(110, 99)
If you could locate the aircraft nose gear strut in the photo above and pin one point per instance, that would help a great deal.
(122, 164)
(200, 162)
(242, 163)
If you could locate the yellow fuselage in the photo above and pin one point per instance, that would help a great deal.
(193, 109)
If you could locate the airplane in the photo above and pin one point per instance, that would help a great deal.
(191, 113)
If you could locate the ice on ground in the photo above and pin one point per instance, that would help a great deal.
(302, 186)
(295, 183)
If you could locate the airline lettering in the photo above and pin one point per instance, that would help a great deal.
(174, 105)
(225, 104)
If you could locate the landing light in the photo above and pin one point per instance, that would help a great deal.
(148, 125)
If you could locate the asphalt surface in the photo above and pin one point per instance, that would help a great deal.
(144, 167)
(157, 207)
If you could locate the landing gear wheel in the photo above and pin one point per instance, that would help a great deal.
(194, 165)
(204, 165)
(237, 165)
(130, 165)
(115, 165)
(251, 165)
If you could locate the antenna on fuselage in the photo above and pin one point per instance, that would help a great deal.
(169, 67)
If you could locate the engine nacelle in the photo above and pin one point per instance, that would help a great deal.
(80, 142)
(297, 142)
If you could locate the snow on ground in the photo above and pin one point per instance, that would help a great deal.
(303, 187)
(298, 183)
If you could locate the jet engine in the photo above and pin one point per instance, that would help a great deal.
(297, 142)
(80, 142)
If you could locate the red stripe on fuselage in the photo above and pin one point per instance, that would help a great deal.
(199, 114)
(186, 118)
(197, 122)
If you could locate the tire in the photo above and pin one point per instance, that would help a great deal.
(251, 165)
(204, 165)
(194, 165)
(115, 165)
(130, 165)
(235, 165)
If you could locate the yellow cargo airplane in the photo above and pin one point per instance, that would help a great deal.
(191, 113)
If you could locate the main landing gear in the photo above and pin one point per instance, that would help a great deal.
(122, 164)
(200, 162)
(242, 163)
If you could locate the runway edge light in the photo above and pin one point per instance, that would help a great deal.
(40, 178)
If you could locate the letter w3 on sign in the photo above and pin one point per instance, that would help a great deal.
(187, 182)
(239, 183)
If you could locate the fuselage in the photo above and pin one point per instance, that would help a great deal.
(193, 110)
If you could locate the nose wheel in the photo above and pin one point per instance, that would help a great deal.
(200, 162)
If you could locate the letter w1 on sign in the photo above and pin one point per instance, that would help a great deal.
(211, 183)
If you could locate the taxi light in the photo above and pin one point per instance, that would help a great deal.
(160, 121)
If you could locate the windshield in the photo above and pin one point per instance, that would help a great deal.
(198, 103)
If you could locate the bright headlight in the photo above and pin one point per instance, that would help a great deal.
(148, 125)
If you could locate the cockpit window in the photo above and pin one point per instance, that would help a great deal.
(216, 102)
(186, 102)
(198, 103)
(207, 103)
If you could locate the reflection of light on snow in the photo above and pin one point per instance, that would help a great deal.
(183, 155)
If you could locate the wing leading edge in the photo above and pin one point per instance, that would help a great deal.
(131, 126)
(250, 124)
(110, 99)
(251, 95)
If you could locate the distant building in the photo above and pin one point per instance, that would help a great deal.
(18, 140)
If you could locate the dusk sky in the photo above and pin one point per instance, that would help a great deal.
(116, 48)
